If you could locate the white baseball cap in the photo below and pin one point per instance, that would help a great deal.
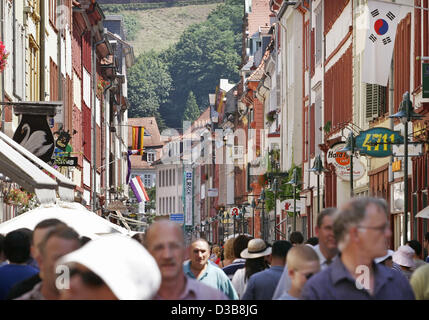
(381, 259)
(125, 266)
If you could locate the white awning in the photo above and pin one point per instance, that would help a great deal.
(424, 213)
(85, 222)
(23, 167)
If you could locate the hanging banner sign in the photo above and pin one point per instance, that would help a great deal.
(341, 162)
(425, 80)
(377, 142)
(188, 198)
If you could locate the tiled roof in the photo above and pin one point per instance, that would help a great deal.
(260, 70)
(260, 16)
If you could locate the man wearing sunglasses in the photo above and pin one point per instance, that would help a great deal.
(361, 228)
(303, 263)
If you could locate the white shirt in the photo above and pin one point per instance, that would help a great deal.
(323, 260)
(238, 281)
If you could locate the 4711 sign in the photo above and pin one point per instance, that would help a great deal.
(377, 142)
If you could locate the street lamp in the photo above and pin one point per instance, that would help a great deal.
(275, 189)
(242, 213)
(253, 216)
(406, 114)
(350, 149)
(318, 169)
(294, 182)
(262, 200)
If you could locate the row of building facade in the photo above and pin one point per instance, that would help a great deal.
(299, 97)
(69, 52)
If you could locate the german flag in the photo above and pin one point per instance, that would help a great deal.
(138, 134)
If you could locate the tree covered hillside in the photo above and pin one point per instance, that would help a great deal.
(160, 83)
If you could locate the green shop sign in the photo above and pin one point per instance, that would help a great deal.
(377, 142)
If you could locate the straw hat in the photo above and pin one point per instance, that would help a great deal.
(255, 248)
(404, 256)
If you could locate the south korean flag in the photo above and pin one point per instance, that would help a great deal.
(382, 19)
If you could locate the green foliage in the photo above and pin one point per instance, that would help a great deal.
(132, 26)
(116, 8)
(192, 112)
(205, 53)
(285, 190)
(149, 84)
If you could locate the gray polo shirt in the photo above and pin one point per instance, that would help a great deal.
(336, 283)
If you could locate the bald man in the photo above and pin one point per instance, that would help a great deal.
(164, 241)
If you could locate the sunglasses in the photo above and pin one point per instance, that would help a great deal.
(88, 277)
(307, 276)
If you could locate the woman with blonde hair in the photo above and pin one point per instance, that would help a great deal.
(228, 253)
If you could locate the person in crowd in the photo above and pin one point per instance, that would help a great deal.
(296, 238)
(3, 260)
(417, 247)
(262, 284)
(216, 253)
(420, 282)
(327, 249)
(56, 243)
(239, 244)
(165, 242)
(313, 241)
(303, 262)
(40, 231)
(31, 261)
(199, 267)
(84, 240)
(361, 228)
(254, 254)
(426, 246)
(228, 253)
(386, 260)
(403, 260)
(17, 251)
(111, 267)
(139, 237)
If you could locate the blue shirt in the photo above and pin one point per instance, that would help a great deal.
(233, 267)
(261, 285)
(213, 276)
(11, 274)
(336, 283)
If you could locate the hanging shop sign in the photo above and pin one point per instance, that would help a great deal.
(66, 161)
(341, 162)
(288, 205)
(33, 132)
(377, 142)
(188, 185)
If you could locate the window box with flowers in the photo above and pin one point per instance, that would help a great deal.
(101, 85)
(3, 56)
(22, 199)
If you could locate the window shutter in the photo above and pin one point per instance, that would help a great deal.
(375, 101)
(18, 79)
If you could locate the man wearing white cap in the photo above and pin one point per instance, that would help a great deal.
(109, 268)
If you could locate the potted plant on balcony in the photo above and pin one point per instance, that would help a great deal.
(271, 116)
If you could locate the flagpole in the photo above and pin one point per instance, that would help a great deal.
(402, 4)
